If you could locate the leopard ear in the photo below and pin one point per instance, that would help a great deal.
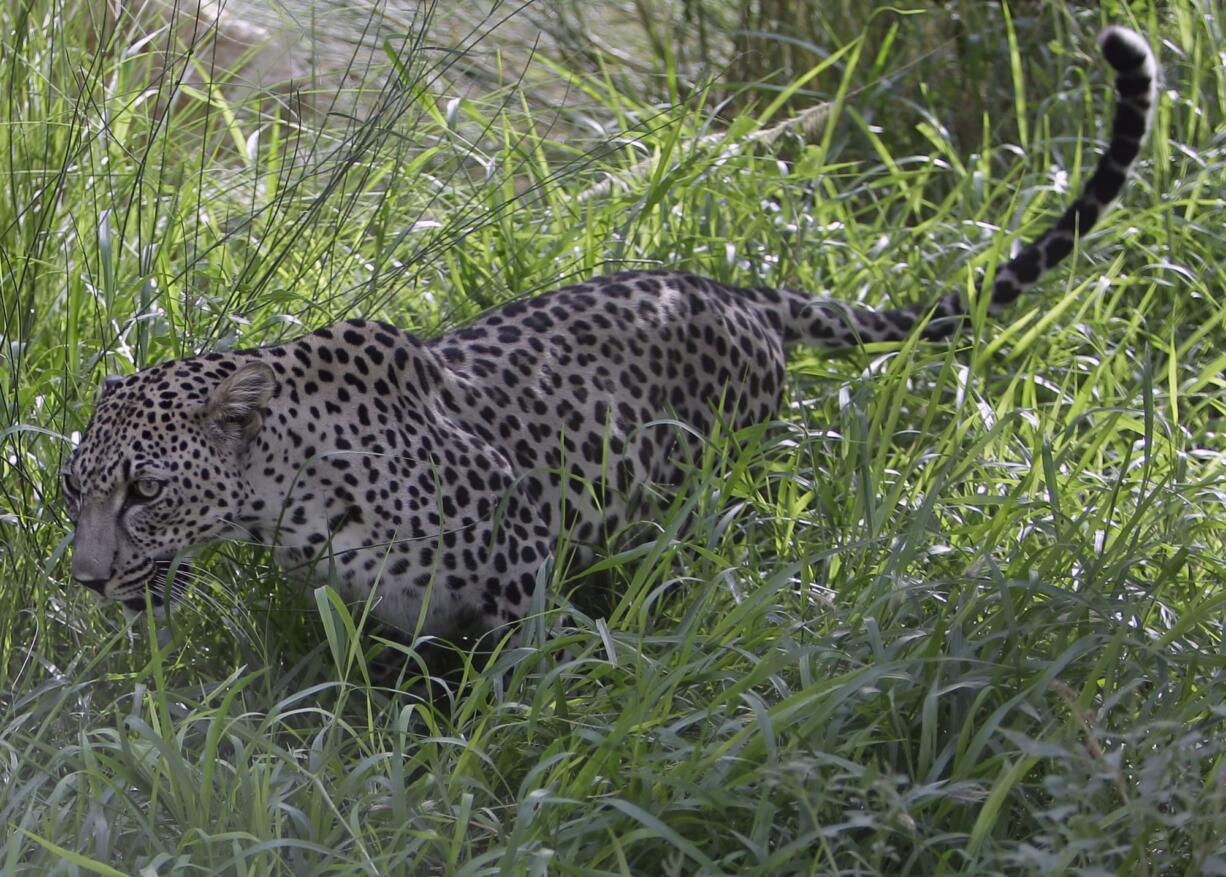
(234, 408)
(109, 383)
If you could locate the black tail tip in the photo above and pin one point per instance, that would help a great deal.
(1126, 50)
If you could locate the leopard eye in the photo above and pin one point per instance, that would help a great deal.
(146, 488)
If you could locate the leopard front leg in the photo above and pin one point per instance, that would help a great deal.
(517, 570)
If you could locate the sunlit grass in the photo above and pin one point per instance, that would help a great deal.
(960, 610)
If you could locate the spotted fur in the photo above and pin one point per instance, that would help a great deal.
(442, 473)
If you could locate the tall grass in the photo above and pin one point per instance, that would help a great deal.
(958, 611)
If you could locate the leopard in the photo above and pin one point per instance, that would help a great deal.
(436, 480)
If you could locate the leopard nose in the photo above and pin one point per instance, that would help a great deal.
(96, 585)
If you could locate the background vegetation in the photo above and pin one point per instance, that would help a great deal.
(959, 611)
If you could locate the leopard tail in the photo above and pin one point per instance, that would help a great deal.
(835, 325)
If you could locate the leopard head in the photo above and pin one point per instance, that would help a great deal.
(159, 470)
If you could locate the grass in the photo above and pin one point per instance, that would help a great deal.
(959, 611)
